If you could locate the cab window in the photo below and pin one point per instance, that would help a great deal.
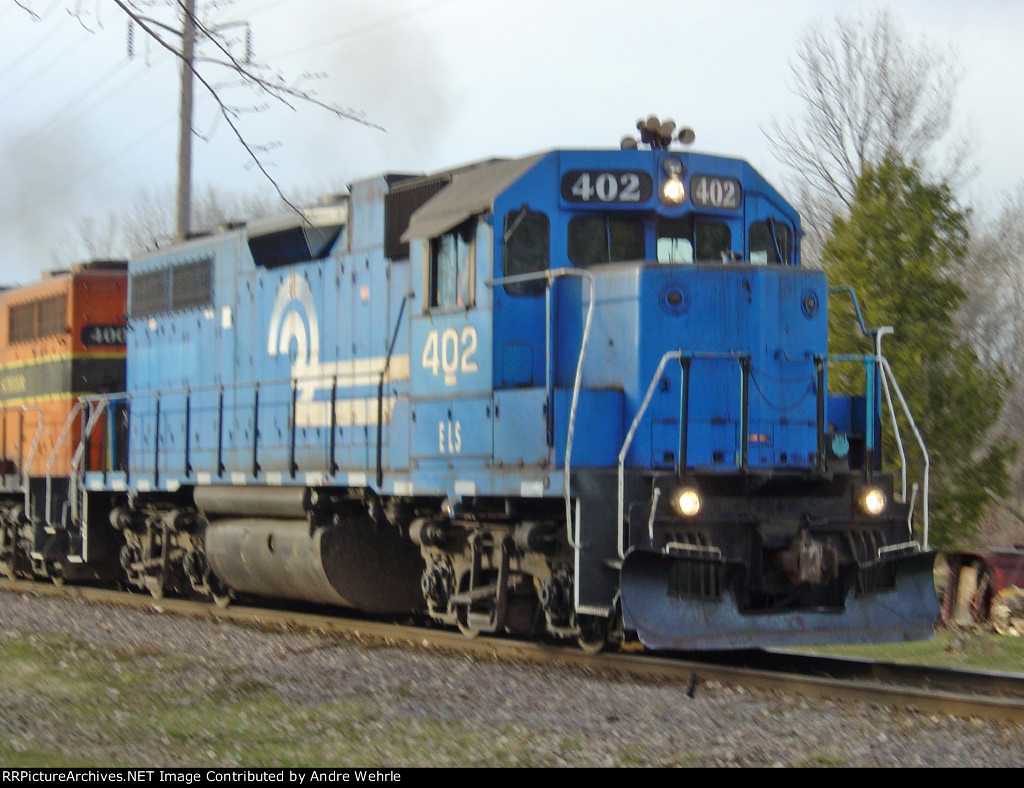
(526, 250)
(685, 240)
(675, 241)
(766, 245)
(714, 242)
(451, 264)
(605, 239)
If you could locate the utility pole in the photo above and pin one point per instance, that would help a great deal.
(184, 200)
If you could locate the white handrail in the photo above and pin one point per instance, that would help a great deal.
(549, 276)
(920, 443)
(26, 463)
(57, 445)
(628, 441)
(99, 406)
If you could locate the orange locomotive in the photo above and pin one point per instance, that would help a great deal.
(59, 338)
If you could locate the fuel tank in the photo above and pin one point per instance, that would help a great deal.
(356, 563)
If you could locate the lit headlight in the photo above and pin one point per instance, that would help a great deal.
(686, 501)
(872, 501)
(672, 189)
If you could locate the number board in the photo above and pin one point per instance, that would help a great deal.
(104, 335)
(607, 186)
(712, 191)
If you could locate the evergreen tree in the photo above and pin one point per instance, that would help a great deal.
(900, 249)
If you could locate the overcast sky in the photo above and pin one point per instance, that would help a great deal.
(84, 128)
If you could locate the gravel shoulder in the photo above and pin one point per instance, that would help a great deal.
(82, 685)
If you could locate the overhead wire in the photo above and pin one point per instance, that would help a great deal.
(91, 97)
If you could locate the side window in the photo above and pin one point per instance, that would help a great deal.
(675, 241)
(526, 250)
(714, 242)
(768, 240)
(605, 239)
(451, 267)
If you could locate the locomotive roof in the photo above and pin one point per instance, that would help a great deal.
(472, 191)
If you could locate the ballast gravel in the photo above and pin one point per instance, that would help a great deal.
(604, 720)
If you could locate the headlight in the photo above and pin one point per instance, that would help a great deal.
(872, 501)
(686, 501)
(672, 189)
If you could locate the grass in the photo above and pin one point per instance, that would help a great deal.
(962, 650)
(67, 704)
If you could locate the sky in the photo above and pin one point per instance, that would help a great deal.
(88, 127)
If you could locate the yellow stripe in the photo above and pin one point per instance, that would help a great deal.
(29, 362)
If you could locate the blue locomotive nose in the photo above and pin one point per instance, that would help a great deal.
(748, 352)
(752, 532)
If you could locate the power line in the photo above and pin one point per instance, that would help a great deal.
(48, 194)
(64, 53)
(368, 28)
(88, 100)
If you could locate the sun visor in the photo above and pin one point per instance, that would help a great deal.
(470, 193)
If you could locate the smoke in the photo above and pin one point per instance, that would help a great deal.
(44, 188)
(382, 63)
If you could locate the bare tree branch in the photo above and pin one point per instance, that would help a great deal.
(254, 75)
(866, 90)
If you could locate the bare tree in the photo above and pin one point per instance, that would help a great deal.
(866, 90)
(993, 322)
(226, 56)
(143, 224)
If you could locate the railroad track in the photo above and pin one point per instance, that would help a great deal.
(992, 696)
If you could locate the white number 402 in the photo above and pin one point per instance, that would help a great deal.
(450, 352)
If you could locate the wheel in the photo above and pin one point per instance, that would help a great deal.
(464, 627)
(155, 589)
(55, 573)
(593, 635)
(219, 593)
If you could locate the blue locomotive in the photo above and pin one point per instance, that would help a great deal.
(579, 395)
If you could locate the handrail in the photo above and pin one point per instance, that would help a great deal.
(380, 396)
(920, 442)
(58, 444)
(548, 277)
(25, 464)
(96, 410)
(188, 392)
(631, 432)
(887, 376)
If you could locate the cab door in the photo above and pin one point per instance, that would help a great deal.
(451, 434)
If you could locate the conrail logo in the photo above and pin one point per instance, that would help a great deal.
(295, 332)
